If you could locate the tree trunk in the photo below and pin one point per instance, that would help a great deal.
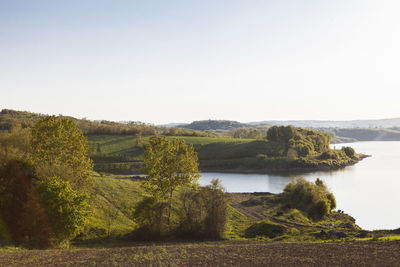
(169, 207)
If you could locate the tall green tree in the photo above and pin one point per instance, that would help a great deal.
(169, 165)
(60, 149)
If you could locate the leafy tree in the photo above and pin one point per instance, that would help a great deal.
(15, 189)
(192, 212)
(216, 209)
(23, 219)
(168, 165)
(15, 144)
(66, 209)
(60, 149)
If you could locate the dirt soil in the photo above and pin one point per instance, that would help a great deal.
(224, 253)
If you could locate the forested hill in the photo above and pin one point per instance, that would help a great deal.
(214, 125)
(12, 119)
(317, 124)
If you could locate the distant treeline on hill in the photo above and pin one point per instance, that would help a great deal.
(11, 119)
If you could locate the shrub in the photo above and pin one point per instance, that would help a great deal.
(349, 151)
(66, 209)
(312, 198)
(151, 216)
(203, 211)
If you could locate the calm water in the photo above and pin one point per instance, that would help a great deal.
(369, 190)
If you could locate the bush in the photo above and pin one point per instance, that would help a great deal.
(334, 155)
(66, 209)
(204, 212)
(265, 228)
(312, 198)
(349, 151)
(152, 217)
(198, 212)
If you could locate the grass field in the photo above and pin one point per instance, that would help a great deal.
(123, 154)
(126, 145)
(224, 253)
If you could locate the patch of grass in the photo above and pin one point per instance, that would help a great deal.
(112, 204)
(390, 238)
(237, 224)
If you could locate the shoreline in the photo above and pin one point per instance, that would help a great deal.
(271, 170)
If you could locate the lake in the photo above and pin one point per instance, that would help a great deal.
(369, 191)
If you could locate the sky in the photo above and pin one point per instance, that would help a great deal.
(180, 61)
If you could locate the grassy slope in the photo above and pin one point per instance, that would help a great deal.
(112, 203)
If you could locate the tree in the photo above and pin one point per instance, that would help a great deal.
(15, 189)
(15, 144)
(66, 209)
(60, 149)
(168, 165)
(216, 209)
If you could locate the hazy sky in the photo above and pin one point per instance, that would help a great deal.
(178, 61)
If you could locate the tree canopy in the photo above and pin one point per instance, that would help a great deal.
(168, 166)
(60, 149)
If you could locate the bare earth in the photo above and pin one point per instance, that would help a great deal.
(224, 253)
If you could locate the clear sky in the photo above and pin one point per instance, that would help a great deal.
(179, 61)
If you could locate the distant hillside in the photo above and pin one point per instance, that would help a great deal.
(382, 123)
(366, 134)
(12, 119)
(214, 125)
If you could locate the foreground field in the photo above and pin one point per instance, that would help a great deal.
(238, 253)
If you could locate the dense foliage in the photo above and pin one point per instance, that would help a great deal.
(60, 149)
(43, 169)
(198, 212)
(66, 209)
(297, 142)
(312, 198)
